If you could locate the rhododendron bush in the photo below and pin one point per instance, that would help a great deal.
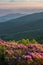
(12, 53)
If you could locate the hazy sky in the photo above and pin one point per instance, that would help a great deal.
(14, 4)
(20, 0)
(25, 6)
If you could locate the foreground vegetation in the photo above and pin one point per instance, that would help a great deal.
(22, 52)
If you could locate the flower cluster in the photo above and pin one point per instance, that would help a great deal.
(23, 54)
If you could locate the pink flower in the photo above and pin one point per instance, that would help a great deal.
(9, 52)
(27, 57)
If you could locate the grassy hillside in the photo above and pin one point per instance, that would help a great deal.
(29, 26)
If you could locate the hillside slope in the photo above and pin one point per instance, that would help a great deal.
(29, 26)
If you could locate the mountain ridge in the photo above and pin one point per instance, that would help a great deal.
(32, 23)
(10, 16)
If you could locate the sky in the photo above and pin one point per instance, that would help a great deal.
(13, 4)
(27, 6)
(21, 0)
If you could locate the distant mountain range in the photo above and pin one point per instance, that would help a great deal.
(29, 26)
(10, 16)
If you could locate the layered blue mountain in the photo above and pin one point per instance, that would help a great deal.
(29, 26)
(10, 16)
